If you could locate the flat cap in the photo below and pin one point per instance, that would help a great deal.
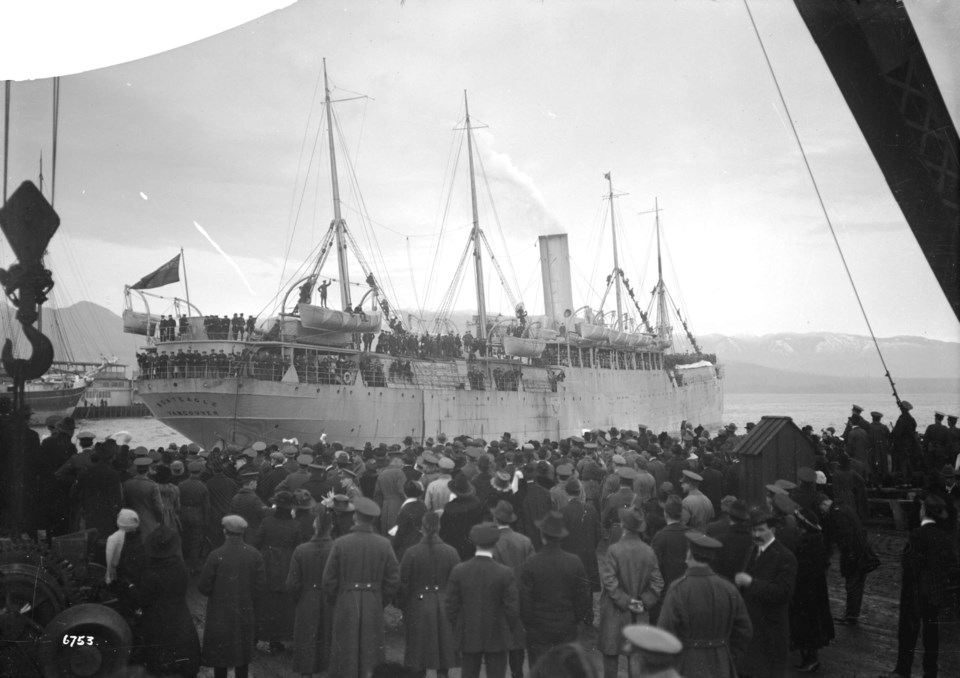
(618, 459)
(304, 460)
(429, 458)
(259, 446)
(142, 461)
(695, 477)
(626, 472)
(234, 523)
(366, 507)
(785, 484)
(805, 474)
(701, 540)
(194, 467)
(564, 470)
(86, 433)
(785, 504)
(651, 640)
(446, 463)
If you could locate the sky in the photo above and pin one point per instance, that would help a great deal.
(184, 126)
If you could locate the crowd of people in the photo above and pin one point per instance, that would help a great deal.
(497, 553)
(171, 328)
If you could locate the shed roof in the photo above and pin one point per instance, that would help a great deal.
(767, 430)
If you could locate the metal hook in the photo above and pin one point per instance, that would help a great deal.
(38, 363)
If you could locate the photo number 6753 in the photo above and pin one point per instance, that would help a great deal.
(77, 641)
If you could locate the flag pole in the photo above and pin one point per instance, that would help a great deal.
(186, 285)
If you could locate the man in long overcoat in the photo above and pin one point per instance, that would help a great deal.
(930, 565)
(513, 550)
(143, 496)
(232, 579)
(409, 517)
(670, 545)
(707, 613)
(311, 623)
(583, 523)
(632, 585)
(483, 606)
(767, 587)
(554, 592)
(362, 574)
(459, 515)
(424, 572)
(388, 492)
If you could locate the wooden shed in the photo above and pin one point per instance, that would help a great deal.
(774, 449)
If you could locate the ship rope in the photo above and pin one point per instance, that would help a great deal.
(453, 162)
(823, 206)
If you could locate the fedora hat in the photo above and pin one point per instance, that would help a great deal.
(342, 504)
(503, 512)
(284, 499)
(631, 519)
(551, 525)
(461, 486)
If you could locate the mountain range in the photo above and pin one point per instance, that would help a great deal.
(816, 362)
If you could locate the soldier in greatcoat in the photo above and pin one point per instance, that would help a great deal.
(312, 616)
(424, 572)
(632, 585)
(194, 514)
(483, 607)
(361, 575)
(232, 579)
(388, 492)
(706, 613)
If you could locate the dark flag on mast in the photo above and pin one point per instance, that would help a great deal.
(166, 274)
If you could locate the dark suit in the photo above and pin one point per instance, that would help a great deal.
(408, 526)
(554, 598)
(768, 599)
(584, 525)
(459, 515)
(929, 566)
(483, 607)
(535, 503)
(737, 547)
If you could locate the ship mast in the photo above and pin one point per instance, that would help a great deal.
(616, 258)
(477, 260)
(663, 328)
(338, 223)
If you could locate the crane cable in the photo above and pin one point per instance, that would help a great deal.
(823, 207)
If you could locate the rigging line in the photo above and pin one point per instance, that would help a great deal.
(6, 136)
(56, 125)
(295, 205)
(413, 279)
(823, 206)
(496, 219)
(454, 163)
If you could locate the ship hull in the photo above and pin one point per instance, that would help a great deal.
(210, 410)
(58, 401)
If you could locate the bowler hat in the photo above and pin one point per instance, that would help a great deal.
(573, 487)
(935, 507)
(738, 511)
(503, 512)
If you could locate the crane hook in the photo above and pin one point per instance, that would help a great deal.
(38, 363)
